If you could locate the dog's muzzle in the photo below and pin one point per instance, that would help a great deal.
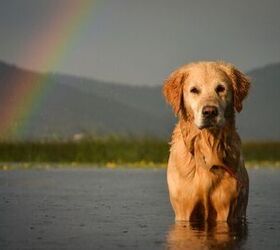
(209, 116)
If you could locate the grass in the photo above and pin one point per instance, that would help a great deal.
(261, 151)
(96, 151)
(113, 152)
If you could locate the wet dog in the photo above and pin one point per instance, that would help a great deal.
(206, 176)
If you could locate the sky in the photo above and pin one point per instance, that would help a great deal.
(139, 42)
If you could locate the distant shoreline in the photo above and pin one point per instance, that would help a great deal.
(6, 166)
(113, 152)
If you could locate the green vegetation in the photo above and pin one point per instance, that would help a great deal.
(114, 151)
(261, 151)
(101, 151)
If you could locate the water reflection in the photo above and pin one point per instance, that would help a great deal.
(190, 235)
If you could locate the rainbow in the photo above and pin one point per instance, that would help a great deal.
(47, 51)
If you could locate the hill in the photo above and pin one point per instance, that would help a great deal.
(77, 105)
(260, 119)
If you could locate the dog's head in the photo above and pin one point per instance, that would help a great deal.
(208, 92)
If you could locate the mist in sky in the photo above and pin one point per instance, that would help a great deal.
(141, 42)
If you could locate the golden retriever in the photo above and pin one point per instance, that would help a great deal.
(206, 176)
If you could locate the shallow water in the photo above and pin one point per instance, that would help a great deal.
(113, 209)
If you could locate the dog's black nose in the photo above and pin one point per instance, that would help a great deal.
(209, 112)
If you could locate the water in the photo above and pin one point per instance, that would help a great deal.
(115, 209)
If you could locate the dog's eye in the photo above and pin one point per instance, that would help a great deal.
(220, 89)
(194, 90)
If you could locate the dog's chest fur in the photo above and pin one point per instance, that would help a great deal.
(204, 171)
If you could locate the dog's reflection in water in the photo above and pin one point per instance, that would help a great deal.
(192, 235)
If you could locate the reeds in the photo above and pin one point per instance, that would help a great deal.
(114, 150)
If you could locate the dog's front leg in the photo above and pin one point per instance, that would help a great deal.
(183, 208)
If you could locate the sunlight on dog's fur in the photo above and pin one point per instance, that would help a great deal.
(206, 176)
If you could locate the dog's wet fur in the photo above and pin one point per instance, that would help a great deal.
(206, 176)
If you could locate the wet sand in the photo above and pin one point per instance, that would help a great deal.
(115, 209)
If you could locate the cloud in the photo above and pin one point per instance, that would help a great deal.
(140, 42)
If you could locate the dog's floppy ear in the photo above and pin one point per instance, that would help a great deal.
(240, 85)
(173, 89)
